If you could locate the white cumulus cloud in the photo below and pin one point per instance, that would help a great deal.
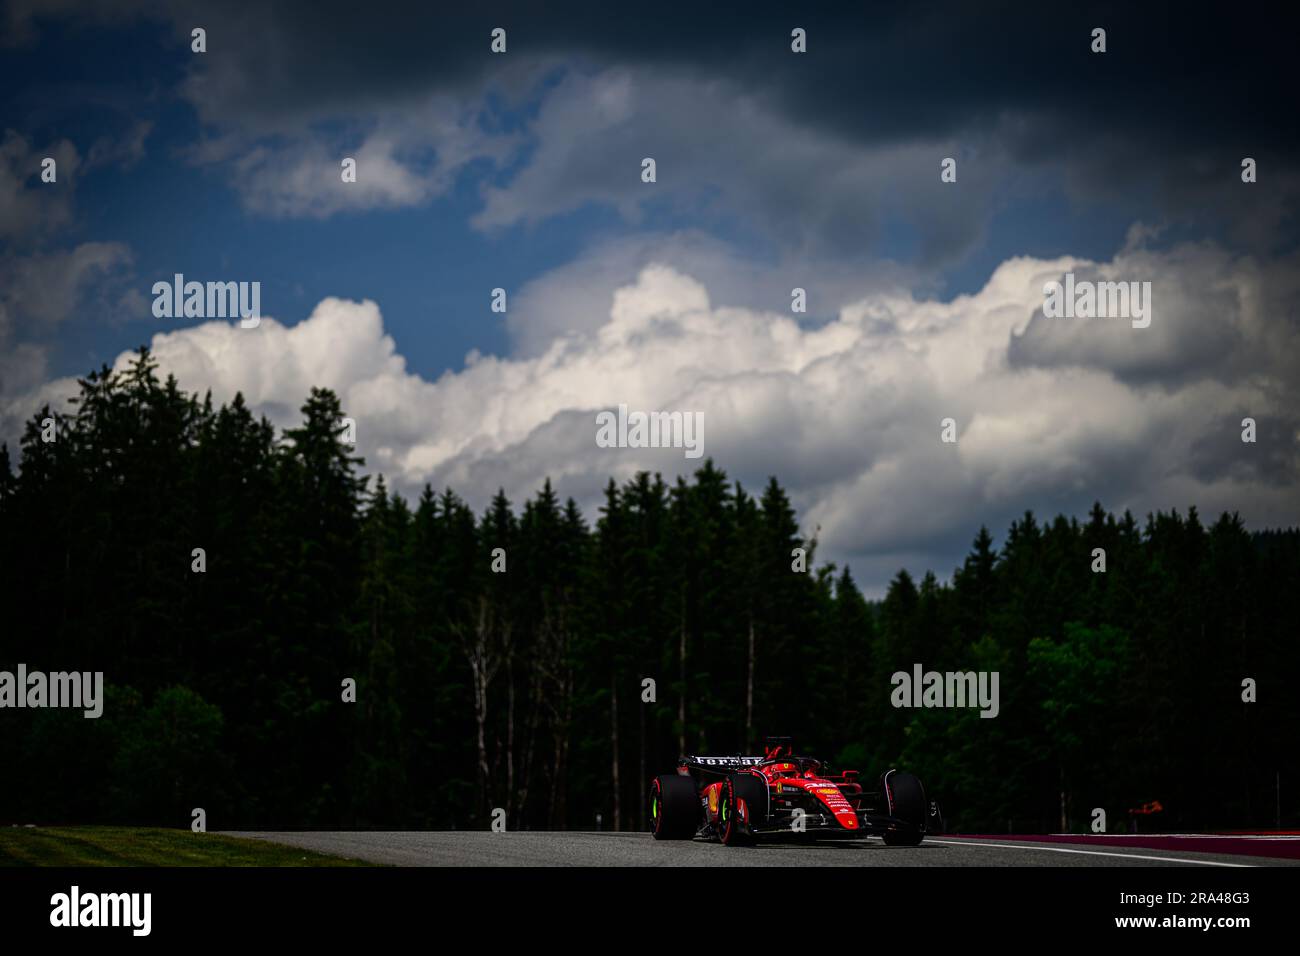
(1051, 414)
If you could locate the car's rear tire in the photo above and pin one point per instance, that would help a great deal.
(674, 807)
(733, 827)
(905, 798)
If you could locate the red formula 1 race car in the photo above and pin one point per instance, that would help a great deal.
(741, 799)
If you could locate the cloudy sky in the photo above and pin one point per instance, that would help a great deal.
(775, 170)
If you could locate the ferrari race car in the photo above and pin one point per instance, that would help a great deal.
(741, 799)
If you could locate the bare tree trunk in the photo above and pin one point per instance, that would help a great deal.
(501, 652)
(641, 777)
(370, 659)
(510, 737)
(480, 725)
(1065, 823)
(613, 737)
(555, 812)
(530, 735)
(483, 664)
(749, 691)
(558, 794)
(562, 721)
(556, 676)
(681, 677)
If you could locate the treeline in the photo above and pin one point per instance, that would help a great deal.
(554, 688)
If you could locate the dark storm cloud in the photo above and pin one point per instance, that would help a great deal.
(832, 154)
(1210, 78)
(1223, 318)
(815, 157)
(1270, 460)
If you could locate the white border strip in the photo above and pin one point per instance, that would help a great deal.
(1058, 849)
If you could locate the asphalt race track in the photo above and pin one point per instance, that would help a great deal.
(477, 848)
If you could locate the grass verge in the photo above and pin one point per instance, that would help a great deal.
(146, 846)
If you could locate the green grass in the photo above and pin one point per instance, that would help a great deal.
(134, 846)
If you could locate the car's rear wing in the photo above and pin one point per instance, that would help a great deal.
(719, 764)
(773, 747)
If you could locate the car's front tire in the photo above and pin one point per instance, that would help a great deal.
(674, 807)
(734, 829)
(905, 798)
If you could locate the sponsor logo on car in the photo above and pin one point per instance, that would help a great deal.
(726, 761)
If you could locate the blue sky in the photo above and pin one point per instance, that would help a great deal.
(820, 170)
(426, 265)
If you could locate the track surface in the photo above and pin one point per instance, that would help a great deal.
(477, 848)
